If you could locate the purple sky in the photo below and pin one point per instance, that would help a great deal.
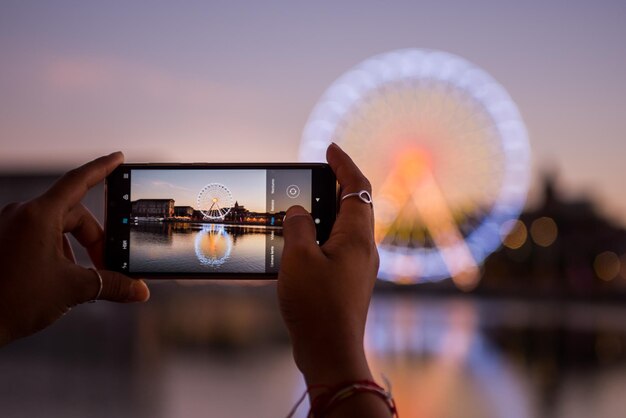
(235, 81)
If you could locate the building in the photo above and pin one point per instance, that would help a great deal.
(237, 213)
(152, 208)
(561, 248)
(183, 211)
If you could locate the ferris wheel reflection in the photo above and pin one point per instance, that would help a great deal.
(213, 245)
(438, 356)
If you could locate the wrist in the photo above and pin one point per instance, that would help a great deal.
(324, 376)
(327, 364)
(347, 399)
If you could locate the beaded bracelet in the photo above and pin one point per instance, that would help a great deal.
(332, 396)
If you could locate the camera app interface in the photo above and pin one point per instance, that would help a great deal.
(211, 221)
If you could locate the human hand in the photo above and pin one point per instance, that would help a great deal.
(324, 291)
(39, 278)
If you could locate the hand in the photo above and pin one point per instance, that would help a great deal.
(324, 291)
(39, 278)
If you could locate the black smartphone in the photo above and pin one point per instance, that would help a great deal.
(210, 220)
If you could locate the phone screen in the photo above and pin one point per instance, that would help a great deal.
(209, 221)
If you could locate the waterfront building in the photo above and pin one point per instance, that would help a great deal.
(183, 211)
(237, 213)
(152, 208)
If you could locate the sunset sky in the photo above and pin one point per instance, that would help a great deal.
(247, 187)
(236, 81)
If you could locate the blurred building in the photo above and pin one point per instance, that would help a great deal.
(561, 248)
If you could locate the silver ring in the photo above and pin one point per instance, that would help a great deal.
(101, 285)
(364, 195)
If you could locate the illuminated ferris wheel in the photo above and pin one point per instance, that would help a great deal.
(446, 151)
(215, 201)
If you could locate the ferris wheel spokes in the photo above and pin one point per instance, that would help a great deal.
(215, 201)
(421, 189)
(215, 211)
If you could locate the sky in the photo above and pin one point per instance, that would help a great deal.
(231, 81)
(247, 187)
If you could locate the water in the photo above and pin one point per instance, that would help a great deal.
(222, 351)
(203, 248)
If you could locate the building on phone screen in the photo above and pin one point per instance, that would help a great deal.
(152, 208)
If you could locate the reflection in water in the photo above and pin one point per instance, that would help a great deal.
(182, 247)
(221, 351)
(439, 361)
(213, 245)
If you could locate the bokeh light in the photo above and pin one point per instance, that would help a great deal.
(516, 236)
(607, 265)
(544, 231)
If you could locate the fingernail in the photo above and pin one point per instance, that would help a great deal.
(139, 292)
(117, 154)
(295, 211)
(295, 215)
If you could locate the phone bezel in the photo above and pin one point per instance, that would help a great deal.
(115, 208)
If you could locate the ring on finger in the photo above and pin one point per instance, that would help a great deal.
(101, 285)
(363, 195)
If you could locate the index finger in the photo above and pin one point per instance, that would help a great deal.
(73, 186)
(353, 212)
(87, 231)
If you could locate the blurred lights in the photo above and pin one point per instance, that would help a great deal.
(544, 231)
(514, 234)
(607, 265)
(412, 119)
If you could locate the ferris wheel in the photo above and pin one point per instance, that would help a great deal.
(447, 154)
(215, 201)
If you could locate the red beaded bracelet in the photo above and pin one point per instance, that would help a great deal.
(332, 396)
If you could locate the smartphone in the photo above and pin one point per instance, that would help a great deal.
(210, 220)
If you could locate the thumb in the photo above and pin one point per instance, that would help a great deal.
(116, 287)
(119, 288)
(298, 231)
